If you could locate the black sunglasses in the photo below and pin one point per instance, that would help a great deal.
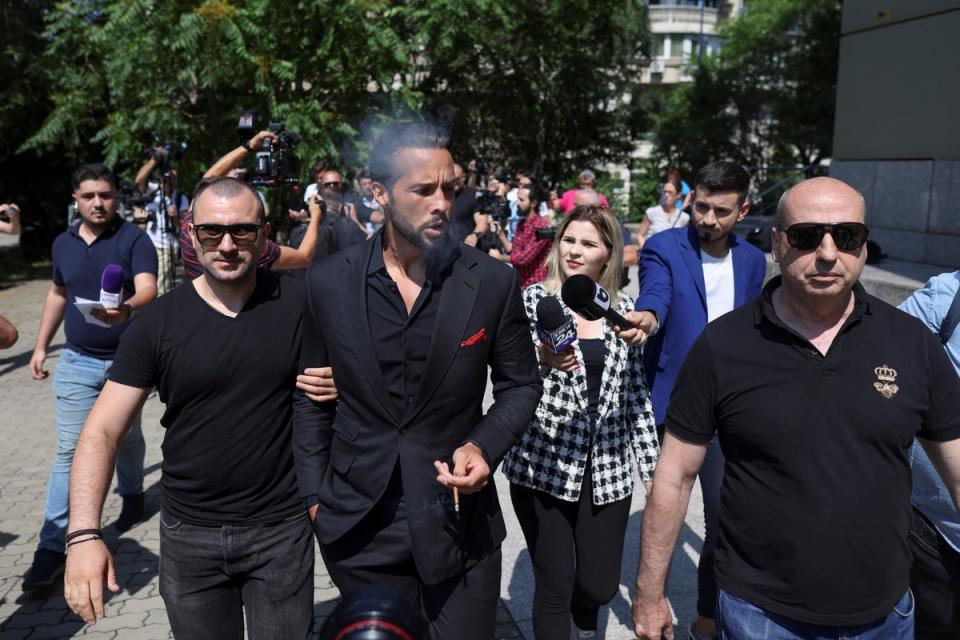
(807, 236)
(332, 185)
(210, 235)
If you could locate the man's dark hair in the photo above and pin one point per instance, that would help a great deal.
(93, 171)
(398, 136)
(537, 193)
(724, 175)
(227, 187)
(363, 173)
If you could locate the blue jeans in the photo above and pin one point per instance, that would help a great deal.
(211, 576)
(77, 383)
(737, 619)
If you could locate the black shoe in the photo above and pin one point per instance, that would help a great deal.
(131, 513)
(47, 567)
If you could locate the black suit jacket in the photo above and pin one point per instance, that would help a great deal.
(345, 451)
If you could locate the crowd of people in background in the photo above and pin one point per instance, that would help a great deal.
(800, 404)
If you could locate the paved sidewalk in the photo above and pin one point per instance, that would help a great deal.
(28, 442)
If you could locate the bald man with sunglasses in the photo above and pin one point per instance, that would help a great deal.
(816, 391)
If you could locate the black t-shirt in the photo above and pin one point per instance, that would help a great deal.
(815, 506)
(227, 384)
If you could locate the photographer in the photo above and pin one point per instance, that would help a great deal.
(162, 215)
(529, 255)
(10, 219)
(340, 215)
(489, 236)
(272, 255)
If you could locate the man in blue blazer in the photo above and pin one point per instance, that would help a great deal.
(689, 277)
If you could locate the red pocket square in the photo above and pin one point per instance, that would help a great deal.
(479, 336)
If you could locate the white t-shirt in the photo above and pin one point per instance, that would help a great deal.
(660, 220)
(718, 279)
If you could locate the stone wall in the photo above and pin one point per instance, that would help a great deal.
(913, 206)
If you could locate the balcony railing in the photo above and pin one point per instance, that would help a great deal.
(687, 17)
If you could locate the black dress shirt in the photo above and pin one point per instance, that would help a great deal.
(401, 341)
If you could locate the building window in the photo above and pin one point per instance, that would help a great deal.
(659, 46)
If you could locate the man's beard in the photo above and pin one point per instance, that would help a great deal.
(437, 253)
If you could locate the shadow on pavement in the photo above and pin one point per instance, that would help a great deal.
(683, 574)
(23, 359)
(47, 610)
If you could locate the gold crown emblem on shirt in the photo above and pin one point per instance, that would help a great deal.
(885, 373)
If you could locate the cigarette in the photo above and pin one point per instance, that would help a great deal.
(456, 500)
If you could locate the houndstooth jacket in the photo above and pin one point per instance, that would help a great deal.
(552, 454)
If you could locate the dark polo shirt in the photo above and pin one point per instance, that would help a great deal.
(815, 506)
(78, 267)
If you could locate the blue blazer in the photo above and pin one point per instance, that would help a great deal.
(671, 285)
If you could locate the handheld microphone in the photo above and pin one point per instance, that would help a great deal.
(111, 286)
(590, 300)
(554, 328)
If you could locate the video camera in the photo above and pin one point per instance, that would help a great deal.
(130, 198)
(545, 234)
(275, 164)
(492, 204)
(166, 152)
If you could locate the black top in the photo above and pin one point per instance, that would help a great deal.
(401, 341)
(593, 357)
(227, 384)
(78, 267)
(815, 506)
(461, 213)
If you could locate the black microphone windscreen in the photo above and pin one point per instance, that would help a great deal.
(578, 291)
(550, 314)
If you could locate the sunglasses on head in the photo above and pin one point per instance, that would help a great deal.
(807, 236)
(210, 235)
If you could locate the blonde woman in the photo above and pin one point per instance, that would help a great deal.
(571, 474)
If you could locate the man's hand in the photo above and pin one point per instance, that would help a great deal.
(565, 361)
(318, 384)
(88, 565)
(36, 364)
(646, 326)
(113, 317)
(652, 618)
(298, 215)
(257, 141)
(471, 473)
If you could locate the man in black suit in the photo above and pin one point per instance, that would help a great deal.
(409, 321)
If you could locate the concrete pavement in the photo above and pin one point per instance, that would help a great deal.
(28, 442)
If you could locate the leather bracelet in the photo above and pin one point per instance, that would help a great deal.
(82, 532)
(246, 145)
(76, 542)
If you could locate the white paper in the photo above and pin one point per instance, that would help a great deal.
(86, 306)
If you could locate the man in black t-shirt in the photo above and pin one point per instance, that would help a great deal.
(816, 392)
(223, 352)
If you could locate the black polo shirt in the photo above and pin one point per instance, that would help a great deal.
(815, 505)
(77, 266)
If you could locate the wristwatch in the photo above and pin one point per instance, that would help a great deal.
(246, 145)
(131, 312)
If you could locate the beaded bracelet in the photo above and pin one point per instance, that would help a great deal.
(83, 532)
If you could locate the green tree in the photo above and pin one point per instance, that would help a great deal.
(766, 99)
(541, 83)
